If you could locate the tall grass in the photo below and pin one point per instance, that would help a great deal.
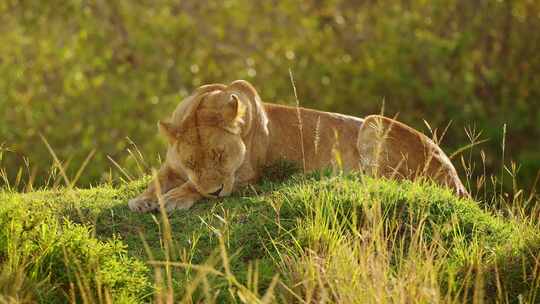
(331, 240)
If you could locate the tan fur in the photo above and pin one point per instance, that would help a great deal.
(221, 137)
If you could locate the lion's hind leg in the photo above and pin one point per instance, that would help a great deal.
(392, 149)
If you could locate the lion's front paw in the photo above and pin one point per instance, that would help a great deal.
(174, 202)
(143, 204)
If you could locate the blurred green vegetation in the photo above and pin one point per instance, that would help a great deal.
(89, 74)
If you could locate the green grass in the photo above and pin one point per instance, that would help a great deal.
(316, 238)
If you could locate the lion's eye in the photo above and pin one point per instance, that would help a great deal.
(217, 154)
(190, 163)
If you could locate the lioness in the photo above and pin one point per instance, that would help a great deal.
(222, 136)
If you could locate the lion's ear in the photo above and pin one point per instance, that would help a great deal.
(255, 118)
(168, 130)
(234, 113)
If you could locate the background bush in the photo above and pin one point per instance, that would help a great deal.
(88, 74)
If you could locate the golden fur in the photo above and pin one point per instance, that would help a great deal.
(221, 137)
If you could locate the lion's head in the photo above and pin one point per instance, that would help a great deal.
(210, 135)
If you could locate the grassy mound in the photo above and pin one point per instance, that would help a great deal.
(343, 239)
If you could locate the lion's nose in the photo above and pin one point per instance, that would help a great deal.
(216, 193)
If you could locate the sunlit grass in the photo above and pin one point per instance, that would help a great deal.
(320, 238)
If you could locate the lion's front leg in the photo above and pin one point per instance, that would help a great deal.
(182, 197)
(147, 201)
